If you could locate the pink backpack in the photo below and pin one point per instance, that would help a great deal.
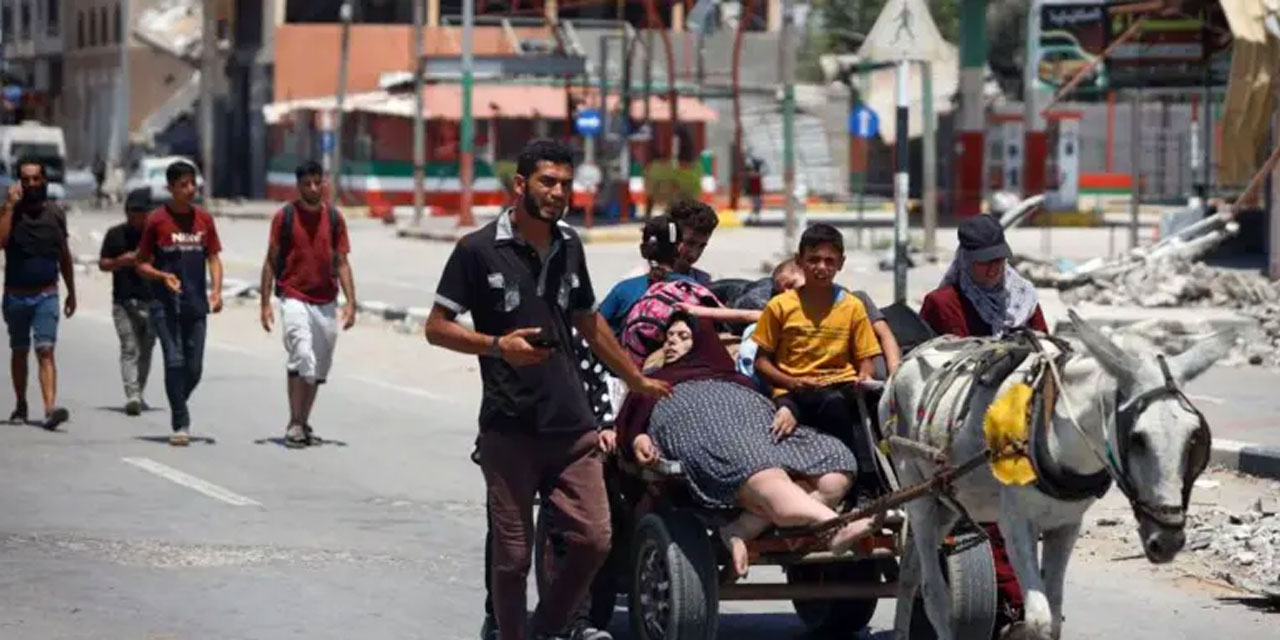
(645, 328)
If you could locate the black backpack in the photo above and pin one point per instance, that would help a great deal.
(286, 240)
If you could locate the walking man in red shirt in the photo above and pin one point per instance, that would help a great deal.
(306, 260)
(178, 242)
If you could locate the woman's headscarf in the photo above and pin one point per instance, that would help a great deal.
(707, 359)
(1005, 306)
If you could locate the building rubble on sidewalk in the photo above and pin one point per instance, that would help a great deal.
(1170, 273)
(1244, 547)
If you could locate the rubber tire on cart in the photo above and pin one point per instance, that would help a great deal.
(674, 590)
(548, 548)
(836, 619)
(971, 584)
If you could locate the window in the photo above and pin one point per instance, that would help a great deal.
(24, 17)
(104, 25)
(93, 29)
(6, 23)
(80, 30)
(119, 31)
(53, 17)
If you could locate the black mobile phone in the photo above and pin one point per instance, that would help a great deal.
(543, 342)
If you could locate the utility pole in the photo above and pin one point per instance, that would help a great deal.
(419, 127)
(467, 156)
(344, 14)
(788, 130)
(208, 56)
(624, 111)
(930, 165)
(1135, 165)
(119, 151)
(901, 181)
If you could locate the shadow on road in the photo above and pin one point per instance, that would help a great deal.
(165, 439)
(120, 410)
(748, 626)
(279, 442)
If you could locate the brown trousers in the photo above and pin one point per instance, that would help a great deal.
(567, 470)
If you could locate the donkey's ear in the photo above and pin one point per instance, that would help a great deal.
(1194, 361)
(1116, 361)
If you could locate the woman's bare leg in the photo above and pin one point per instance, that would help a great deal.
(787, 504)
(735, 535)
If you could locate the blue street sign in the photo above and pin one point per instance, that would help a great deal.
(326, 141)
(588, 122)
(864, 122)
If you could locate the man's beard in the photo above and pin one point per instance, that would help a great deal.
(531, 207)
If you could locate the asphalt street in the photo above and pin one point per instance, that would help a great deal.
(106, 532)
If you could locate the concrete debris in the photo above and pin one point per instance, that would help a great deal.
(1244, 546)
(1180, 282)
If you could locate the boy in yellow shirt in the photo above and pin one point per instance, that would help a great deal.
(815, 341)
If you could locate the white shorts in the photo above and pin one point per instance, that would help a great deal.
(310, 332)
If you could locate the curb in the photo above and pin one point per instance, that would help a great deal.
(1247, 457)
(613, 234)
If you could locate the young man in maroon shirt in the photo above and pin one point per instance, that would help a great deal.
(307, 259)
(178, 243)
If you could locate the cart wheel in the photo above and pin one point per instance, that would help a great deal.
(971, 584)
(835, 619)
(674, 593)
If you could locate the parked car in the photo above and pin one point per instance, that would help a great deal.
(149, 172)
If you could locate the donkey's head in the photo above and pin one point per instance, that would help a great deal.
(1160, 442)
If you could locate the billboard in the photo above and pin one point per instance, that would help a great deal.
(1167, 52)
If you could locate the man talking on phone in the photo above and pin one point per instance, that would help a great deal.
(523, 278)
(33, 233)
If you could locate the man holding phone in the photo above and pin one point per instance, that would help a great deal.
(524, 280)
(33, 233)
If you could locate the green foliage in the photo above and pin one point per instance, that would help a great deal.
(665, 183)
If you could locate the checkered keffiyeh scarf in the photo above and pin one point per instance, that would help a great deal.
(1006, 306)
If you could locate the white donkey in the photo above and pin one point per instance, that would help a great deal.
(1119, 416)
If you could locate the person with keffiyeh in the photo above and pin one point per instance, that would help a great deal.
(981, 295)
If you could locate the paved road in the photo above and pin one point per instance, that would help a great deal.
(105, 532)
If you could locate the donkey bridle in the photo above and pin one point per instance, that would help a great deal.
(1197, 454)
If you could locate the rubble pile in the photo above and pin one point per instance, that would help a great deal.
(1186, 283)
(1244, 547)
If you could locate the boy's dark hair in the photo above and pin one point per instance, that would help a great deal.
(820, 234)
(309, 168)
(542, 150)
(179, 170)
(681, 316)
(660, 240)
(694, 215)
(30, 160)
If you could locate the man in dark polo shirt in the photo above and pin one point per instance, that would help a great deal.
(33, 232)
(130, 298)
(524, 280)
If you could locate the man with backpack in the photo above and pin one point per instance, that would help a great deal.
(306, 261)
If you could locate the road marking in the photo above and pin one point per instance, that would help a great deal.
(192, 482)
(413, 391)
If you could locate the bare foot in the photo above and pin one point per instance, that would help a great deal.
(850, 534)
(738, 549)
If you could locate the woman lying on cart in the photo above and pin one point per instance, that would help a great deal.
(730, 441)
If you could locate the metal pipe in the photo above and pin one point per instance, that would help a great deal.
(209, 49)
(790, 230)
(901, 182)
(736, 161)
(467, 155)
(930, 165)
(419, 125)
(343, 57)
(834, 591)
(1135, 168)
